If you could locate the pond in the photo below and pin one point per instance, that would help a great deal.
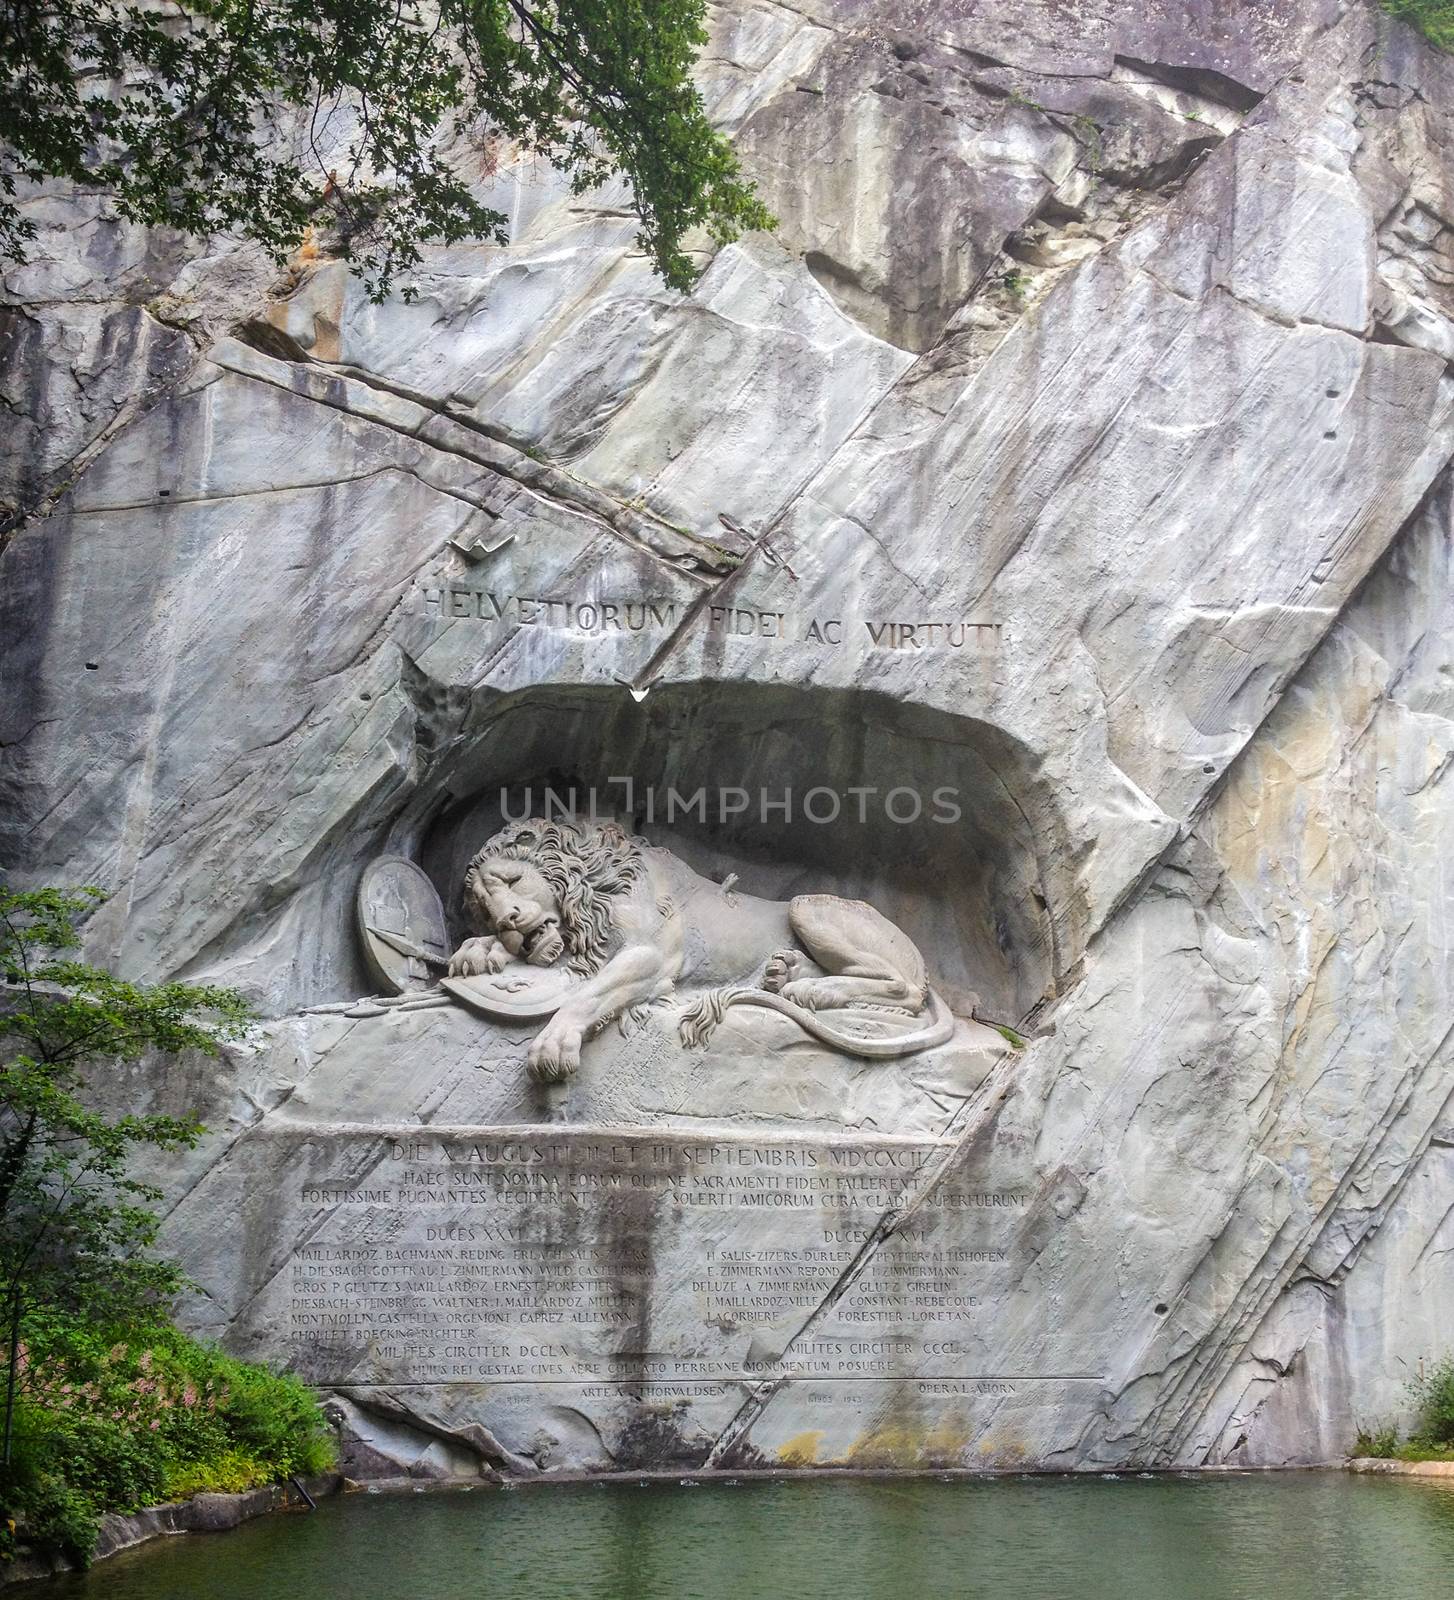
(1283, 1536)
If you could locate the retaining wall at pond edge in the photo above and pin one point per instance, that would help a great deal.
(1416, 1469)
(203, 1513)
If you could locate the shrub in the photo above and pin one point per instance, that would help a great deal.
(59, 1517)
(272, 1416)
(101, 1459)
(1381, 1440)
(1433, 1394)
(230, 1473)
(151, 1416)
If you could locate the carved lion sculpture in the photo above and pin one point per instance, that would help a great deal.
(632, 922)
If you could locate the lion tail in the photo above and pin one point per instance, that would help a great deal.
(699, 1023)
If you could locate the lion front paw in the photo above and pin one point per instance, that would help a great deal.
(474, 958)
(555, 1053)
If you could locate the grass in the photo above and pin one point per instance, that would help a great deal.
(1433, 18)
(1413, 1451)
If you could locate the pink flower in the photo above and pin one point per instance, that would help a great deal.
(189, 1396)
(154, 1425)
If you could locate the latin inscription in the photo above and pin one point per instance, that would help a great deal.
(552, 1259)
(450, 602)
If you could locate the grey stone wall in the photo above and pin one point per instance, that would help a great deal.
(1088, 419)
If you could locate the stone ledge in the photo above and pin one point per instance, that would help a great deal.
(1413, 1469)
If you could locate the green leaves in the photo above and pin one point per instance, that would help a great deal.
(75, 1224)
(1433, 18)
(604, 88)
(270, 116)
(114, 1419)
(1432, 1391)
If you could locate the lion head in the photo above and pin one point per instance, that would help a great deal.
(545, 888)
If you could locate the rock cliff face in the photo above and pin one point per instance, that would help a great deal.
(1079, 443)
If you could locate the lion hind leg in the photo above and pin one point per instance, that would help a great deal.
(780, 969)
(835, 993)
(852, 941)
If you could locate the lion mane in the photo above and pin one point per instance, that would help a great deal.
(586, 868)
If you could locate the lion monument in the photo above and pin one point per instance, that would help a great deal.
(620, 924)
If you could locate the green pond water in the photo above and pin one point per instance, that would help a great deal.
(1283, 1536)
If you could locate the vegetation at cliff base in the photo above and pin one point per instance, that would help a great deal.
(1432, 1394)
(1433, 18)
(105, 1406)
(266, 117)
(151, 1416)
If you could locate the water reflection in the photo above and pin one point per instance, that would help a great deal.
(1286, 1536)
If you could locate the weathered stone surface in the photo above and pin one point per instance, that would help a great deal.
(1077, 447)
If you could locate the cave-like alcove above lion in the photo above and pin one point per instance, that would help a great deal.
(935, 820)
